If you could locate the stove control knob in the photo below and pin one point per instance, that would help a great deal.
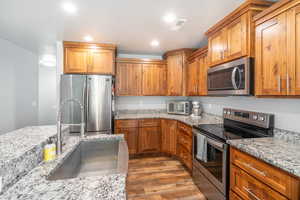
(261, 118)
(255, 117)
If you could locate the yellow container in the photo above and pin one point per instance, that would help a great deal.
(49, 152)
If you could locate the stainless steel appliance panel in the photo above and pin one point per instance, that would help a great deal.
(72, 87)
(99, 103)
(232, 78)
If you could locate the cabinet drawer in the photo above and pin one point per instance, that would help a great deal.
(185, 141)
(185, 129)
(185, 156)
(233, 196)
(275, 178)
(126, 123)
(250, 188)
(149, 122)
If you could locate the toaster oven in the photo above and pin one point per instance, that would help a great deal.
(179, 107)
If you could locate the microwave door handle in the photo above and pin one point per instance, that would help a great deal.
(233, 78)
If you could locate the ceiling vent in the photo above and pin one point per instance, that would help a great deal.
(178, 24)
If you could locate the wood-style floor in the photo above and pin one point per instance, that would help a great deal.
(160, 178)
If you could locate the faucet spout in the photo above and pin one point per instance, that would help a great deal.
(59, 123)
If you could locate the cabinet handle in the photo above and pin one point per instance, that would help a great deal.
(251, 193)
(254, 169)
(279, 83)
(288, 83)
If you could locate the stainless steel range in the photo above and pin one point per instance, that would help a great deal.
(210, 151)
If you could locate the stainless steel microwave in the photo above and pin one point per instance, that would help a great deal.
(179, 107)
(232, 78)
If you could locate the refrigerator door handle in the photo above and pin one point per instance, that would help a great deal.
(87, 97)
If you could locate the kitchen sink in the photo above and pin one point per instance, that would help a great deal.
(93, 158)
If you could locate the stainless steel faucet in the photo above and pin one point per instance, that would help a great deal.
(59, 124)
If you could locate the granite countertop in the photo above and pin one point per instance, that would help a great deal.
(143, 114)
(284, 154)
(35, 186)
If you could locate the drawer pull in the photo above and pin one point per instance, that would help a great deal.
(251, 193)
(254, 169)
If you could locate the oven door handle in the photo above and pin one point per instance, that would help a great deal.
(235, 70)
(214, 143)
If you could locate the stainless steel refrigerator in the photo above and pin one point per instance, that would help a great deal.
(95, 93)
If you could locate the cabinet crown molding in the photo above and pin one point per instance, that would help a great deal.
(90, 45)
(201, 52)
(187, 51)
(141, 61)
(248, 5)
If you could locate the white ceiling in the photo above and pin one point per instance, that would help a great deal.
(131, 24)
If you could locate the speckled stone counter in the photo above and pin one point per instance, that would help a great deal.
(143, 114)
(284, 154)
(35, 186)
(22, 150)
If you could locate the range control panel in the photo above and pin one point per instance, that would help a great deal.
(264, 120)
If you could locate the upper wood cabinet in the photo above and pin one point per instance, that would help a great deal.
(233, 36)
(197, 73)
(128, 78)
(154, 80)
(136, 77)
(86, 58)
(277, 66)
(176, 71)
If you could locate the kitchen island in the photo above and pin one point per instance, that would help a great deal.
(33, 184)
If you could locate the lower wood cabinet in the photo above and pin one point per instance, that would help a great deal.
(131, 136)
(184, 144)
(169, 136)
(233, 196)
(149, 140)
(251, 178)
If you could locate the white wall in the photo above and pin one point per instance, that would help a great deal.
(19, 87)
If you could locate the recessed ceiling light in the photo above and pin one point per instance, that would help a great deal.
(170, 18)
(154, 43)
(69, 7)
(88, 38)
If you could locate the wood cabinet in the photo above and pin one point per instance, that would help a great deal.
(128, 79)
(139, 77)
(154, 80)
(250, 178)
(277, 66)
(130, 130)
(197, 73)
(184, 144)
(149, 140)
(85, 58)
(176, 71)
(233, 36)
(169, 136)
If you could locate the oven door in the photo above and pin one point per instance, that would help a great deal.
(232, 78)
(215, 166)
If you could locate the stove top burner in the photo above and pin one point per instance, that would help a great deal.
(221, 132)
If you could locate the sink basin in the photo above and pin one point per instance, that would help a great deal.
(93, 158)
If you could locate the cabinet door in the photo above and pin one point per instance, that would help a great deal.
(293, 75)
(270, 58)
(175, 75)
(128, 79)
(216, 47)
(102, 62)
(169, 136)
(131, 136)
(236, 33)
(154, 80)
(202, 85)
(192, 78)
(149, 140)
(76, 60)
